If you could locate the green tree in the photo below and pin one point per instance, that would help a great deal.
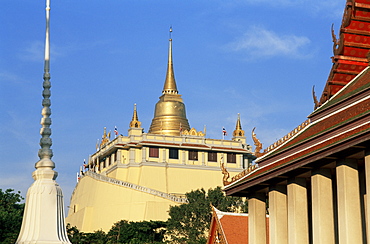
(78, 237)
(189, 222)
(137, 232)
(11, 214)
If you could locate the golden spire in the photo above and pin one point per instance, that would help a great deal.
(238, 132)
(135, 123)
(170, 83)
(169, 113)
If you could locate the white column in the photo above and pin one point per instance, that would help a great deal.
(278, 213)
(183, 158)
(297, 212)
(367, 202)
(348, 194)
(131, 154)
(143, 154)
(112, 158)
(257, 219)
(119, 155)
(162, 155)
(106, 162)
(322, 207)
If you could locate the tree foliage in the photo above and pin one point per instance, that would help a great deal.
(121, 232)
(137, 232)
(11, 214)
(77, 237)
(189, 223)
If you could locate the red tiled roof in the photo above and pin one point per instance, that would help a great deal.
(233, 226)
(351, 49)
(362, 83)
(350, 55)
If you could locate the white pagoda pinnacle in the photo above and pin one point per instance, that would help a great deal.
(43, 219)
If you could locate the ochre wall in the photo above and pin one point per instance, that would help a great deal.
(98, 204)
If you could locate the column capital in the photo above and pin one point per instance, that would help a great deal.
(282, 188)
(258, 195)
(322, 171)
(351, 162)
(298, 180)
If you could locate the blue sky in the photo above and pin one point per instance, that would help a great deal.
(259, 58)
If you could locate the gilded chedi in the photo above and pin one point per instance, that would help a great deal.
(139, 176)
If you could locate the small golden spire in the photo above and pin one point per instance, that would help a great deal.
(105, 138)
(170, 83)
(135, 123)
(238, 132)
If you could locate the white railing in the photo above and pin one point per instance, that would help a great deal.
(136, 187)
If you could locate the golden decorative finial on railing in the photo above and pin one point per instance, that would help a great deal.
(257, 143)
(226, 174)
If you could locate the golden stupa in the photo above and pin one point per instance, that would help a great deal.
(169, 115)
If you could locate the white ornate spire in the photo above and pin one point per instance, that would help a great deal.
(43, 219)
(45, 153)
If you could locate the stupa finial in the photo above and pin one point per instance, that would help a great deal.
(170, 83)
(45, 153)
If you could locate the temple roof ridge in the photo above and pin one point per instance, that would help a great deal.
(286, 138)
(339, 95)
(220, 213)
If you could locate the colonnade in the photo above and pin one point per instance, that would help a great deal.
(325, 205)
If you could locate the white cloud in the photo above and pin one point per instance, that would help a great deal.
(307, 4)
(34, 52)
(325, 8)
(258, 42)
(278, 2)
(7, 77)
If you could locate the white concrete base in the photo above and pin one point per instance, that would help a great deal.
(43, 219)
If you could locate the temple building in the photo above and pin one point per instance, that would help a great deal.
(316, 179)
(139, 176)
(230, 228)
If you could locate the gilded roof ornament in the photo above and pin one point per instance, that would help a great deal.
(191, 132)
(135, 123)
(336, 41)
(245, 172)
(105, 138)
(257, 143)
(347, 13)
(316, 102)
(226, 175)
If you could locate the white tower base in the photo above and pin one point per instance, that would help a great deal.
(43, 219)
